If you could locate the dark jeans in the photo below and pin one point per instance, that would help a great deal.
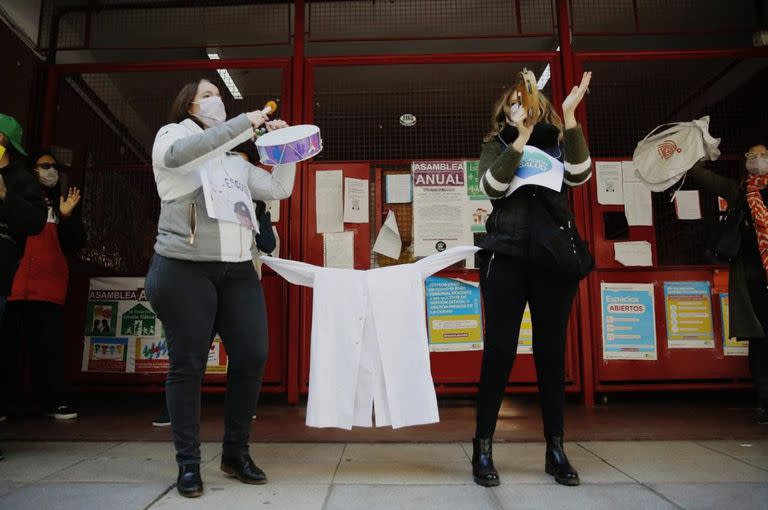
(36, 327)
(507, 283)
(758, 347)
(193, 299)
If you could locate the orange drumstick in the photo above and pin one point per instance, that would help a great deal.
(270, 107)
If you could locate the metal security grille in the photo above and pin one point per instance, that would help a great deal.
(109, 121)
(662, 16)
(602, 16)
(132, 106)
(403, 215)
(365, 112)
(427, 19)
(72, 30)
(121, 24)
(630, 98)
(697, 15)
(120, 211)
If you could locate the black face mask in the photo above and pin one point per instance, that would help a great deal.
(544, 136)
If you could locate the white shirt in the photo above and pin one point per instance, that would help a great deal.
(369, 342)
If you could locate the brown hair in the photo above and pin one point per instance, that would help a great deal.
(180, 107)
(547, 113)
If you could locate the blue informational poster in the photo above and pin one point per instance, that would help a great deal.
(454, 315)
(629, 321)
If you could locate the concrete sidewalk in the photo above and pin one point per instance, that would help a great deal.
(615, 475)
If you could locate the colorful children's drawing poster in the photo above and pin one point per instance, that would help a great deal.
(118, 308)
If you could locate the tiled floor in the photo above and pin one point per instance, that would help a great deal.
(642, 452)
(729, 475)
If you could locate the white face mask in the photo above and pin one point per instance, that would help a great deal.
(212, 111)
(48, 177)
(757, 166)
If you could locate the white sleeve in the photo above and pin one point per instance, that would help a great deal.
(434, 263)
(277, 185)
(176, 150)
(298, 273)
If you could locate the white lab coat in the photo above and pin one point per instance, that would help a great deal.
(369, 342)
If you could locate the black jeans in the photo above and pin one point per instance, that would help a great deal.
(194, 299)
(36, 327)
(758, 347)
(507, 283)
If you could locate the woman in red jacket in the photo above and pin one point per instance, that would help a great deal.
(35, 308)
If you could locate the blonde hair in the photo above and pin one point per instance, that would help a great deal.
(500, 110)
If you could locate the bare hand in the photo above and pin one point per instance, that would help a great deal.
(274, 125)
(577, 94)
(519, 116)
(67, 206)
(257, 118)
(3, 189)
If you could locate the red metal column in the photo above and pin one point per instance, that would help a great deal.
(580, 204)
(295, 228)
(566, 48)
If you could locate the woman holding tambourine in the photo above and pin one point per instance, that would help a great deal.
(201, 279)
(531, 254)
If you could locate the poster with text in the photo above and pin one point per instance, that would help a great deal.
(731, 346)
(439, 207)
(117, 306)
(525, 341)
(139, 320)
(217, 358)
(454, 315)
(101, 318)
(106, 354)
(688, 307)
(151, 355)
(479, 206)
(629, 321)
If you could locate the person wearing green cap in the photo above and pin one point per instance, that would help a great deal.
(22, 208)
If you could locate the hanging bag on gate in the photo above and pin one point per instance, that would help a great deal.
(663, 157)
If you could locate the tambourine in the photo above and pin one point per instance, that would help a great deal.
(289, 145)
(528, 94)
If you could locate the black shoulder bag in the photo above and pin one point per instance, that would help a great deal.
(556, 237)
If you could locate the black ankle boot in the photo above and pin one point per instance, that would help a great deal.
(189, 484)
(482, 463)
(242, 467)
(556, 463)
